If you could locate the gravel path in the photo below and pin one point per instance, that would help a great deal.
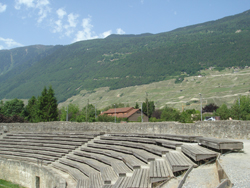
(237, 166)
(202, 177)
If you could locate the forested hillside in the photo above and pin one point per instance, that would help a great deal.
(18, 56)
(125, 60)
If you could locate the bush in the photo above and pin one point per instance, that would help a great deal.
(170, 114)
(12, 119)
(107, 118)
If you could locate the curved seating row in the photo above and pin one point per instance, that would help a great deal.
(113, 160)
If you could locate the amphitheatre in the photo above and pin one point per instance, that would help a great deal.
(110, 155)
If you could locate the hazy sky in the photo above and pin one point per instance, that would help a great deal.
(51, 22)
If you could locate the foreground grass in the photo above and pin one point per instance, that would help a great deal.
(7, 184)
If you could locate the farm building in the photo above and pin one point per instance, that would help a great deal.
(128, 112)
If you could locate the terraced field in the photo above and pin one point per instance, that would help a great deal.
(216, 87)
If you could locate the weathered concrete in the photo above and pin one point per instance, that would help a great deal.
(217, 129)
(25, 174)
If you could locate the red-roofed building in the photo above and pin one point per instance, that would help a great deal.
(129, 112)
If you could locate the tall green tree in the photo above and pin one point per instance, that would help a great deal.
(1, 106)
(47, 105)
(148, 107)
(32, 110)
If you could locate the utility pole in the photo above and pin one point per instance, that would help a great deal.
(67, 116)
(141, 114)
(95, 111)
(115, 113)
(147, 102)
(201, 104)
(87, 110)
(239, 106)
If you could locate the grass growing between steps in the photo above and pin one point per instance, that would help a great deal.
(7, 184)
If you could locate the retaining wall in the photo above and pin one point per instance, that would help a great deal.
(26, 174)
(218, 129)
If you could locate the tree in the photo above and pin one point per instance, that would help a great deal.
(31, 109)
(188, 116)
(13, 107)
(157, 114)
(136, 105)
(90, 111)
(1, 106)
(210, 108)
(241, 108)
(148, 106)
(170, 114)
(223, 112)
(47, 105)
(73, 112)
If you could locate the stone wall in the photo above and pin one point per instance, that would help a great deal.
(218, 129)
(25, 174)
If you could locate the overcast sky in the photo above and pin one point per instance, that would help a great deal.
(51, 22)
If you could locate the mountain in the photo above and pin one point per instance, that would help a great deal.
(18, 56)
(120, 61)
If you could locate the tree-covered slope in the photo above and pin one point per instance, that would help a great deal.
(127, 60)
(10, 59)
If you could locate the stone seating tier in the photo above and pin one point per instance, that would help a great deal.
(84, 136)
(29, 155)
(41, 152)
(83, 168)
(128, 159)
(198, 153)
(163, 142)
(178, 161)
(74, 173)
(115, 159)
(45, 141)
(183, 138)
(160, 170)
(47, 138)
(118, 165)
(57, 150)
(221, 144)
(27, 159)
(139, 153)
(158, 150)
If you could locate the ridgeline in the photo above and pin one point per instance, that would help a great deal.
(120, 61)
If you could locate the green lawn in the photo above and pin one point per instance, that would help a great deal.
(7, 184)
